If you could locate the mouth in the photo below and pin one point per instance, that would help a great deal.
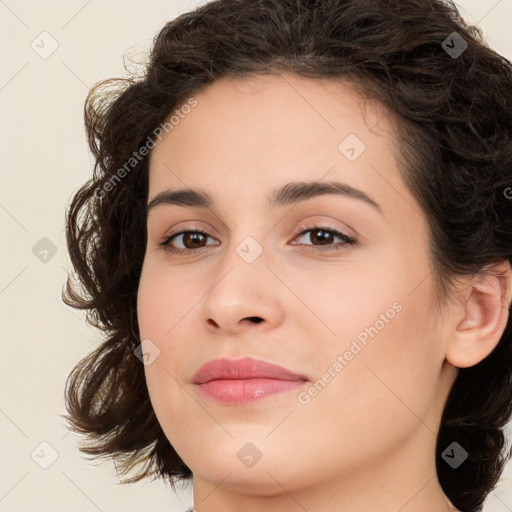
(241, 381)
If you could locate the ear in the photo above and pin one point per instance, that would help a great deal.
(482, 316)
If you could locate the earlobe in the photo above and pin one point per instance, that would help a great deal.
(485, 313)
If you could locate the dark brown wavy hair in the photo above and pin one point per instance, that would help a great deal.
(453, 116)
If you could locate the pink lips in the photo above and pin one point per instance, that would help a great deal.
(239, 381)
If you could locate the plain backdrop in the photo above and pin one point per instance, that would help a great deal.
(52, 53)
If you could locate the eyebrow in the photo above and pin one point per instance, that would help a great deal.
(291, 193)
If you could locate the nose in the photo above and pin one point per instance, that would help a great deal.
(253, 319)
(246, 295)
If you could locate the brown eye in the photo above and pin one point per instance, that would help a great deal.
(321, 236)
(192, 241)
(323, 239)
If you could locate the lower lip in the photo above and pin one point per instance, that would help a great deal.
(242, 391)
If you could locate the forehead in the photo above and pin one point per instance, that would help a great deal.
(260, 132)
(259, 107)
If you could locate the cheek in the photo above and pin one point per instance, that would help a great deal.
(382, 394)
(391, 380)
(155, 317)
(391, 356)
(163, 299)
(164, 302)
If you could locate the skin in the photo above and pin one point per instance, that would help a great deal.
(366, 441)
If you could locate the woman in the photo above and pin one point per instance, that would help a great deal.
(297, 241)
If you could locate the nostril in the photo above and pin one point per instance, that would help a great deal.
(256, 319)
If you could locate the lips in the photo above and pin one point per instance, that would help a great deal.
(243, 381)
(246, 368)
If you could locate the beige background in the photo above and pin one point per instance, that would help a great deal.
(44, 159)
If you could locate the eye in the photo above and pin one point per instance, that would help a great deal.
(189, 239)
(193, 240)
(324, 237)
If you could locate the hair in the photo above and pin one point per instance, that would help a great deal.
(453, 125)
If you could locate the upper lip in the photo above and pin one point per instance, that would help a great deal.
(245, 368)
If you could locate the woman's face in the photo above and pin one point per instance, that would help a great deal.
(355, 320)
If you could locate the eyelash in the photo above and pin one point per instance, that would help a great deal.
(348, 241)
